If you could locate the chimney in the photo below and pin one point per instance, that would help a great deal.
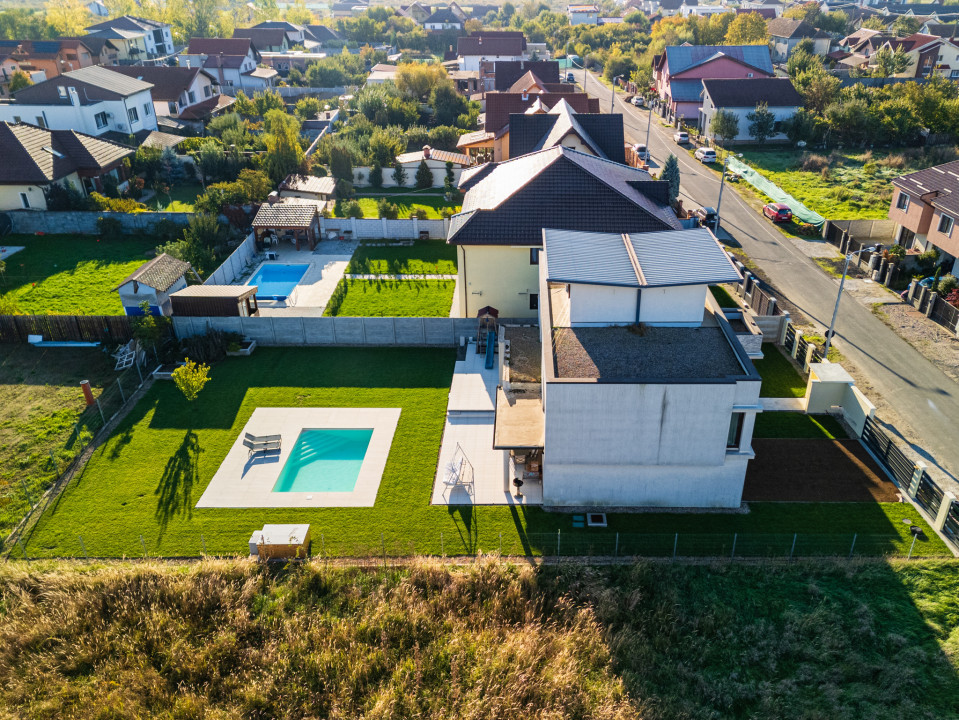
(426, 152)
(74, 97)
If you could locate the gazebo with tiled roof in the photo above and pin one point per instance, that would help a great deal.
(294, 220)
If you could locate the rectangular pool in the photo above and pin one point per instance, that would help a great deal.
(324, 460)
(276, 281)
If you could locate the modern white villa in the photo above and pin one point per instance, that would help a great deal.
(647, 398)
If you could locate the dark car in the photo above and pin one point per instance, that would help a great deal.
(778, 212)
(570, 78)
(706, 216)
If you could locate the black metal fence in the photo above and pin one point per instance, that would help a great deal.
(935, 307)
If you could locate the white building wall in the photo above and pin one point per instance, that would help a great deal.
(708, 111)
(680, 305)
(82, 118)
(601, 305)
(472, 62)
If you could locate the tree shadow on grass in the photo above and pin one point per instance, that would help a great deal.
(175, 491)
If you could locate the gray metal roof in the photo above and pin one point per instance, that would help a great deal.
(108, 80)
(672, 257)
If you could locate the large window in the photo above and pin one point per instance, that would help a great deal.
(735, 434)
(903, 201)
(132, 115)
(101, 120)
(945, 224)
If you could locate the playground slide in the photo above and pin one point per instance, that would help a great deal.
(490, 349)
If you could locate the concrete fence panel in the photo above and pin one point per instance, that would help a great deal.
(234, 267)
(410, 331)
(84, 222)
(377, 228)
(318, 331)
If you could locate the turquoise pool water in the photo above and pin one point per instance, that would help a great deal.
(327, 460)
(275, 281)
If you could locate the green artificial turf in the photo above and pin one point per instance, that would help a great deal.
(391, 298)
(70, 274)
(723, 297)
(432, 204)
(797, 425)
(780, 377)
(424, 257)
(146, 479)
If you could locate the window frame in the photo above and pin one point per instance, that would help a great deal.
(942, 219)
(734, 435)
(101, 120)
(534, 256)
(132, 115)
(25, 201)
(904, 206)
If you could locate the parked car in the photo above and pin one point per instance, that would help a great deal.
(570, 78)
(638, 100)
(705, 155)
(706, 216)
(642, 152)
(778, 212)
(681, 137)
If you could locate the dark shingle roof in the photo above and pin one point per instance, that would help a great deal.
(33, 155)
(507, 72)
(128, 23)
(941, 180)
(775, 92)
(601, 132)
(159, 273)
(96, 83)
(215, 46)
(263, 38)
(499, 106)
(510, 202)
(443, 15)
(322, 33)
(489, 46)
(169, 83)
(207, 108)
(790, 28)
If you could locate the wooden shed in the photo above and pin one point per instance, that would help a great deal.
(278, 542)
(215, 301)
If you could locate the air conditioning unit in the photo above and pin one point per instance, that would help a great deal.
(121, 127)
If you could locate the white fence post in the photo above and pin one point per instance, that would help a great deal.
(917, 472)
(948, 498)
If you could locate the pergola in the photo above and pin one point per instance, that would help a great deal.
(294, 220)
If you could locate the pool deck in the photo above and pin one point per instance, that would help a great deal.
(243, 481)
(327, 265)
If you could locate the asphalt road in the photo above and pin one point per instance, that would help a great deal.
(923, 395)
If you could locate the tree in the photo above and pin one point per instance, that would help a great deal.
(418, 81)
(171, 168)
(307, 108)
(298, 14)
(267, 101)
(889, 63)
(724, 124)
(67, 17)
(818, 88)
(450, 177)
(399, 176)
(670, 174)
(906, 25)
(761, 123)
(243, 105)
(284, 154)
(800, 61)
(341, 163)
(424, 176)
(747, 29)
(19, 80)
(874, 23)
(190, 378)
(148, 329)
(447, 104)
(376, 175)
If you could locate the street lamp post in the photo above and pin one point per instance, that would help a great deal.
(612, 99)
(649, 121)
(722, 184)
(835, 310)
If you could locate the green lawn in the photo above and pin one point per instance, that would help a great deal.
(70, 274)
(180, 199)
(391, 298)
(856, 185)
(425, 257)
(40, 404)
(723, 297)
(146, 479)
(433, 204)
(797, 425)
(780, 377)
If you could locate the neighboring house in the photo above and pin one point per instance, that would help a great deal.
(668, 8)
(785, 34)
(8, 66)
(417, 12)
(942, 30)
(680, 70)
(135, 36)
(435, 160)
(381, 73)
(175, 89)
(599, 134)
(102, 50)
(232, 61)
(266, 39)
(443, 19)
(153, 283)
(52, 57)
(308, 187)
(763, 5)
(507, 72)
(285, 61)
(661, 416)
(295, 34)
(94, 100)
(35, 158)
(320, 34)
(494, 142)
(740, 97)
(927, 54)
(348, 9)
(98, 9)
(582, 14)
(473, 49)
(499, 232)
(925, 208)
(530, 82)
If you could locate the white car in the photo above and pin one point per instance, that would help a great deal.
(705, 155)
(681, 137)
(642, 152)
(638, 101)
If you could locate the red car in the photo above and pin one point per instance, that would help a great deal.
(778, 212)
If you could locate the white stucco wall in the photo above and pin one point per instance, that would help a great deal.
(472, 62)
(496, 275)
(682, 305)
(601, 305)
(82, 118)
(708, 111)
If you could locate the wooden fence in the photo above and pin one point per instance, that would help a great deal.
(108, 329)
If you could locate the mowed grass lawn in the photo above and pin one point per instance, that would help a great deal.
(432, 204)
(780, 377)
(180, 198)
(146, 479)
(40, 403)
(424, 257)
(391, 298)
(856, 185)
(70, 274)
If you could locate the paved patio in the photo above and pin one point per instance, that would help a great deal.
(245, 482)
(783, 404)
(467, 450)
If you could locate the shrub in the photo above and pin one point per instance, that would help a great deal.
(108, 204)
(927, 260)
(352, 209)
(399, 176)
(897, 251)
(948, 284)
(424, 176)
(109, 228)
(193, 144)
(386, 209)
(419, 213)
(814, 163)
(190, 379)
(870, 168)
(376, 175)
(895, 162)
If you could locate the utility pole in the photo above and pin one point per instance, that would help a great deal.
(835, 310)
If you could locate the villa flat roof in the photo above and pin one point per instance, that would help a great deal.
(621, 354)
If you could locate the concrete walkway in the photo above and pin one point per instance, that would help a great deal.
(783, 404)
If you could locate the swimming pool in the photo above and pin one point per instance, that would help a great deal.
(324, 460)
(276, 281)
